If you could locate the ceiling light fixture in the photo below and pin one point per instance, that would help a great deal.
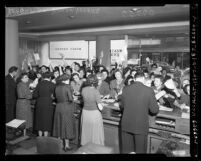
(134, 9)
(71, 17)
(27, 22)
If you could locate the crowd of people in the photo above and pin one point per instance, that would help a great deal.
(56, 88)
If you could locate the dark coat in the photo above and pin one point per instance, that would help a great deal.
(44, 108)
(11, 96)
(137, 101)
(11, 93)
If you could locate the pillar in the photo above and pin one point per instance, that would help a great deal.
(44, 57)
(103, 50)
(12, 45)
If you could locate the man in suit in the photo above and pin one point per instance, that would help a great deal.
(11, 94)
(137, 101)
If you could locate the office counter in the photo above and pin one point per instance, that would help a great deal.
(166, 126)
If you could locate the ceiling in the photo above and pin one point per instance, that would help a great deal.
(72, 19)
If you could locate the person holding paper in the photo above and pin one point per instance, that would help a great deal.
(91, 120)
(23, 106)
(166, 93)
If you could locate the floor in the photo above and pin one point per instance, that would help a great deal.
(29, 147)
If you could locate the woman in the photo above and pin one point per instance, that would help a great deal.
(44, 107)
(23, 106)
(56, 75)
(185, 97)
(102, 87)
(76, 84)
(82, 74)
(91, 120)
(64, 120)
(117, 84)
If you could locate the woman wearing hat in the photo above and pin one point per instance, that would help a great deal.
(64, 120)
(44, 108)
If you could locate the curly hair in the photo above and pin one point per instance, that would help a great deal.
(92, 80)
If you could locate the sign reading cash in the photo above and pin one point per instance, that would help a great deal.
(70, 49)
(118, 51)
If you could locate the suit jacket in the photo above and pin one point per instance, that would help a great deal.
(137, 101)
(11, 93)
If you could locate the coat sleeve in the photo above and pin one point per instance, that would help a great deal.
(153, 106)
(122, 99)
(70, 94)
(36, 91)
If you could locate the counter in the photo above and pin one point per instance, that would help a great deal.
(165, 126)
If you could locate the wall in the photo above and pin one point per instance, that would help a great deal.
(28, 47)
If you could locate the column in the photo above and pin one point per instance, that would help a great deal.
(44, 57)
(103, 50)
(12, 44)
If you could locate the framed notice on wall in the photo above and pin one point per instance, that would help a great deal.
(68, 49)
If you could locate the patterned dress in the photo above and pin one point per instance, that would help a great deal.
(23, 106)
(64, 120)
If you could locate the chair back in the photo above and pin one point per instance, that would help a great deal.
(48, 145)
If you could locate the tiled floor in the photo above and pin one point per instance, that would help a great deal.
(29, 147)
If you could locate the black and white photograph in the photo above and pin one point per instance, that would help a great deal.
(99, 80)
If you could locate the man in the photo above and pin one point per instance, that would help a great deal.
(137, 101)
(11, 94)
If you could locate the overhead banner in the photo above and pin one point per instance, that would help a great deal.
(69, 50)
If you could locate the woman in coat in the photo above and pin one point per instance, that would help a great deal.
(23, 106)
(64, 120)
(44, 107)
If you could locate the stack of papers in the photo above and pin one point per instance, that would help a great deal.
(163, 108)
(15, 123)
(160, 94)
(185, 115)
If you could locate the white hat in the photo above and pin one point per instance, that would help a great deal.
(170, 84)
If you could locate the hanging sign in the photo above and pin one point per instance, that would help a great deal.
(69, 49)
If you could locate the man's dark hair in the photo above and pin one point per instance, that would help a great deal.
(47, 75)
(185, 88)
(105, 70)
(12, 69)
(68, 68)
(76, 63)
(159, 77)
(154, 65)
(139, 74)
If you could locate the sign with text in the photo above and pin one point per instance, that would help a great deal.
(118, 51)
(69, 49)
